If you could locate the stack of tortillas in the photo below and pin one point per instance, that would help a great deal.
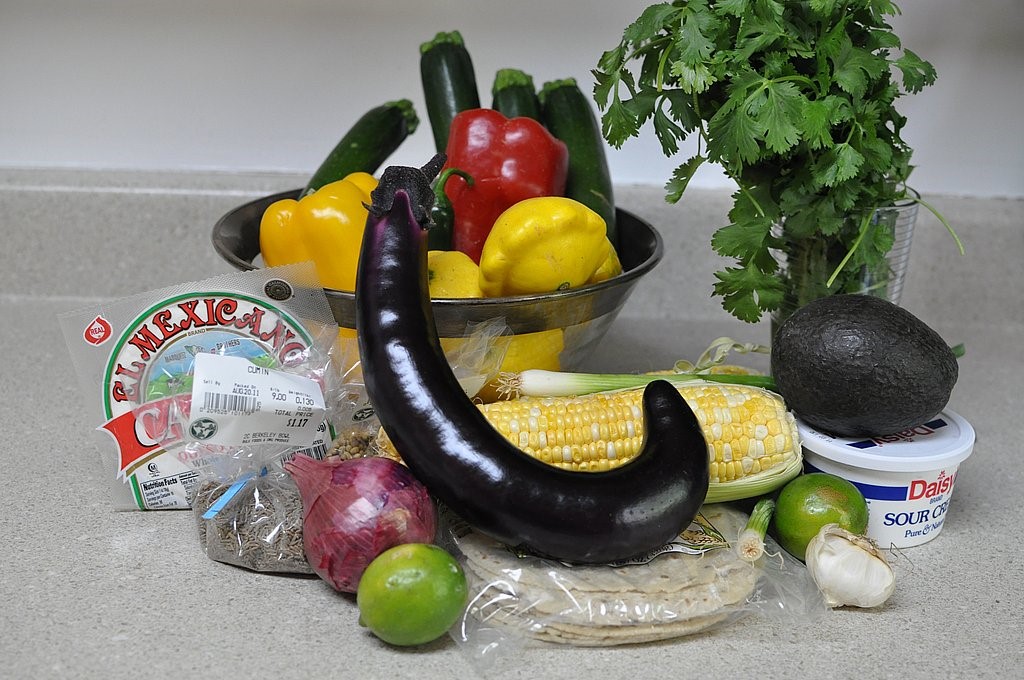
(671, 595)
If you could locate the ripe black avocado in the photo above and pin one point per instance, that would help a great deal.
(860, 366)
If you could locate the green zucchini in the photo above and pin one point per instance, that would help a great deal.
(514, 95)
(449, 82)
(567, 114)
(368, 143)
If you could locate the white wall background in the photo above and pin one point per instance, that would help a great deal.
(271, 84)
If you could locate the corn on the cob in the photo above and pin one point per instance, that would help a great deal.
(753, 444)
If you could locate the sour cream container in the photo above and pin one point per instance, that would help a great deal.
(907, 478)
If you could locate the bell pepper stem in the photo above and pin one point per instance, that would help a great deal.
(440, 198)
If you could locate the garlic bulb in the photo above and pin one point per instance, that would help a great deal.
(849, 569)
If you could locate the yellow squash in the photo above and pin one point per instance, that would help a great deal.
(452, 274)
(545, 244)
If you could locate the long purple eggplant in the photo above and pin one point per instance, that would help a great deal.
(585, 517)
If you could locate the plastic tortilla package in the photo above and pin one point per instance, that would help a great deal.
(177, 375)
(693, 584)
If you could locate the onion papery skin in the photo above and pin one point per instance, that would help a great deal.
(353, 510)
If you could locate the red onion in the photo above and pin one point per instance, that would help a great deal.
(353, 510)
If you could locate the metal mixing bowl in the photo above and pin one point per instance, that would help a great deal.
(584, 314)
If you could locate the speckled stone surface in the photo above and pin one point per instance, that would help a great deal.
(87, 592)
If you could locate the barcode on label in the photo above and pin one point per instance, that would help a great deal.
(316, 452)
(230, 403)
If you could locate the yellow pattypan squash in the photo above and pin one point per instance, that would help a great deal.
(540, 245)
(452, 274)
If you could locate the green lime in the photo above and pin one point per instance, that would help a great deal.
(811, 501)
(411, 594)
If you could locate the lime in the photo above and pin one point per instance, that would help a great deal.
(811, 501)
(411, 594)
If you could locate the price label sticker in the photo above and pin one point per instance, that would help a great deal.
(236, 402)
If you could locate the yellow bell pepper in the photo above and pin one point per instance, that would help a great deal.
(325, 227)
(540, 245)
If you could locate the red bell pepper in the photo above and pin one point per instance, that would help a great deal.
(509, 159)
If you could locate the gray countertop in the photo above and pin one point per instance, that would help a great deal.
(88, 592)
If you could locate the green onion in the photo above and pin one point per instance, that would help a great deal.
(536, 382)
(540, 383)
(750, 545)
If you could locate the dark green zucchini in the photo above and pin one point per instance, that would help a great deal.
(368, 143)
(513, 94)
(567, 114)
(449, 82)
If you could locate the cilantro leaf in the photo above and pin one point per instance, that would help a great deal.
(817, 122)
(916, 72)
(681, 177)
(823, 7)
(877, 153)
(882, 8)
(830, 44)
(756, 35)
(736, 8)
(668, 132)
(807, 213)
(694, 47)
(777, 64)
(694, 78)
(854, 68)
(828, 221)
(611, 61)
(650, 22)
(642, 105)
(755, 203)
(837, 165)
(681, 108)
(883, 39)
(780, 114)
(733, 139)
(768, 9)
(745, 240)
(844, 197)
(604, 83)
(618, 124)
(882, 239)
(747, 291)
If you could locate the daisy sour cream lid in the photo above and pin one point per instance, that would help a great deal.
(944, 441)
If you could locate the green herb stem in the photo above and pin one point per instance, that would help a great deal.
(938, 215)
(750, 545)
(864, 223)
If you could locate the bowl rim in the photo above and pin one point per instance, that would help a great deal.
(627, 276)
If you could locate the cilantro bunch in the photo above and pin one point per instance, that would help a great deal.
(795, 100)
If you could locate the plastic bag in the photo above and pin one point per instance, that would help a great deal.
(693, 584)
(136, 359)
(249, 513)
(474, 360)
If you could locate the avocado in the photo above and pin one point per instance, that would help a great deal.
(861, 366)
